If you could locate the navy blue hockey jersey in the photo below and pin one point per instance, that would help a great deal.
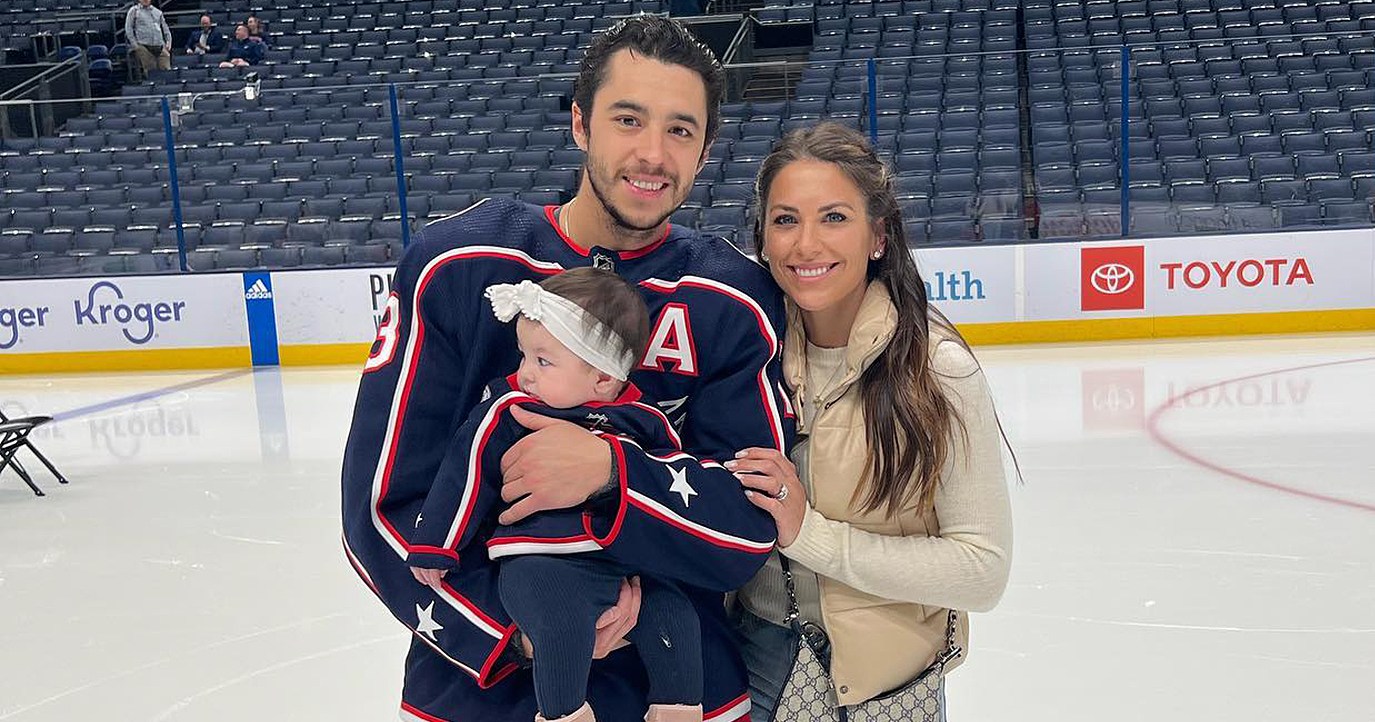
(712, 367)
(464, 501)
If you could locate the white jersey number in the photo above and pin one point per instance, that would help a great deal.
(386, 336)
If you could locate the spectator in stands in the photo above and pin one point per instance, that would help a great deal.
(243, 50)
(149, 38)
(257, 29)
(205, 39)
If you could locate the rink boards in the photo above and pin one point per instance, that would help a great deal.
(1026, 293)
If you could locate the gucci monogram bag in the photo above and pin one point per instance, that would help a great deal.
(807, 694)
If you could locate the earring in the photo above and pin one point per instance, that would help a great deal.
(877, 254)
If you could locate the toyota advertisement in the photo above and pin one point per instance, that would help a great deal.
(1237, 274)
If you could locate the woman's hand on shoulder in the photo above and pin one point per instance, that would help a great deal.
(771, 483)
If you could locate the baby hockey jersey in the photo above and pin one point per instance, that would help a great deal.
(712, 367)
(466, 497)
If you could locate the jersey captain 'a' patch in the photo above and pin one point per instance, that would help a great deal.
(671, 347)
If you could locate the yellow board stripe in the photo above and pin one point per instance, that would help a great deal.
(1079, 330)
(144, 359)
(323, 354)
(1114, 329)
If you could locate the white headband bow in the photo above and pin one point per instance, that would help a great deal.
(575, 328)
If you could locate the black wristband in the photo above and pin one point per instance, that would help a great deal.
(612, 485)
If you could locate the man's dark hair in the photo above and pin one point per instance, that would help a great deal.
(609, 299)
(659, 38)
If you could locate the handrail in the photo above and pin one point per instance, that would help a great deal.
(736, 42)
(23, 87)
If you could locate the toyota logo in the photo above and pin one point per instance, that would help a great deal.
(1113, 399)
(1112, 278)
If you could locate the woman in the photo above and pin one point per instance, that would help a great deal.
(894, 508)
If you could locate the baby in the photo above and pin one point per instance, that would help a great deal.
(580, 333)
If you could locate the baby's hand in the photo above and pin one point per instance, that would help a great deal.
(429, 577)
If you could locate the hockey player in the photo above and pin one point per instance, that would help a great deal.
(646, 110)
(580, 333)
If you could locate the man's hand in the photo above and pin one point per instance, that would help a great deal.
(617, 621)
(558, 466)
(612, 625)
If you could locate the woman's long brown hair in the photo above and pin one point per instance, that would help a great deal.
(908, 418)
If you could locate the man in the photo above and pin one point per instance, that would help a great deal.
(243, 50)
(205, 39)
(646, 109)
(146, 31)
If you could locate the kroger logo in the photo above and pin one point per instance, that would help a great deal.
(105, 305)
(14, 319)
(1112, 278)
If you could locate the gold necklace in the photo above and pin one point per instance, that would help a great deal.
(564, 223)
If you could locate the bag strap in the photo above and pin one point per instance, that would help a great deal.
(793, 611)
(952, 647)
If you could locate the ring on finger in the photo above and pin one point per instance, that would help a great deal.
(782, 492)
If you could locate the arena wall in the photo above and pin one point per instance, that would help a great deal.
(1026, 293)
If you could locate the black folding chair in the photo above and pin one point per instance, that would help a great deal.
(14, 435)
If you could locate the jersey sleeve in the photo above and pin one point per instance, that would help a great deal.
(468, 486)
(413, 390)
(680, 514)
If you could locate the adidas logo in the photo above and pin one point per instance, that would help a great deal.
(257, 292)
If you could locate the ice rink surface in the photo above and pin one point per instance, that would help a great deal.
(1195, 541)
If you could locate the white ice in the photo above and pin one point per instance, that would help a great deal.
(1189, 546)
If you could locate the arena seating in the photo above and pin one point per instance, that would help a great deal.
(1243, 115)
(1234, 125)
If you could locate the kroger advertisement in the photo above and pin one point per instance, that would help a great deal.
(122, 313)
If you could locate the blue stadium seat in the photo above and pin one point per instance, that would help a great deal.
(1098, 175)
(1203, 219)
(1272, 167)
(73, 218)
(1346, 213)
(1294, 215)
(1240, 191)
(1226, 146)
(1153, 222)
(1229, 169)
(1245, 123)
(1273, 191)
(1250, 217)
(952, 230)
(1304, 143)
(1256, 145)
(1330, 189)
(1339, 140)
(1002, 229)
